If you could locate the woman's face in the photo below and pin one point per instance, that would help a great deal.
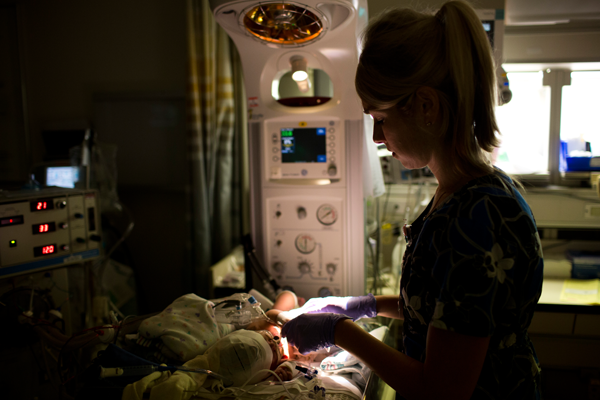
(399, 132)
(275, 346)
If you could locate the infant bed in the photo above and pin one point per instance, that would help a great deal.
(339, 376)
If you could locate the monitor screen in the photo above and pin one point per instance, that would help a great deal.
(62, 176)
(488, 26)
(303, 145)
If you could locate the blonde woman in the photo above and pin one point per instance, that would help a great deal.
(472, 271)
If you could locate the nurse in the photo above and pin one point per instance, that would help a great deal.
(472, 271)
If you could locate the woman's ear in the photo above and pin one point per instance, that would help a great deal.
(428, 104)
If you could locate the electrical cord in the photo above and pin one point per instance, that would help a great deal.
(102, 262)
(272, 373)
(387, 198)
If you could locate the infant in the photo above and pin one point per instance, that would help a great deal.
(189, 327)
(242, 357)
(241, 354)
(279, 315)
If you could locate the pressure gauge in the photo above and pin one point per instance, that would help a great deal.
(305, 243)
(327, 214)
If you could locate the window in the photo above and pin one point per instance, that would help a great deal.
(524, 124)
(579, 115)
(531, 133)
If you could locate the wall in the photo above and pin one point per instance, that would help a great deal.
(576, 41)
(74, 49)
(75, 54)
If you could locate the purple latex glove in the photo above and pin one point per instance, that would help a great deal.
(312, 332)
(355, 307)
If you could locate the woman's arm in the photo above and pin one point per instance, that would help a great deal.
(388, 306)
(451, 369)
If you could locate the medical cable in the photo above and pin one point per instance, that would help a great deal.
(272, 373)
(144, 370)
(270, 285)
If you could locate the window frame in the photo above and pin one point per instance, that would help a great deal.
(556, 75)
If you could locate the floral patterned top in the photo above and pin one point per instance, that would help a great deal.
(474, 266)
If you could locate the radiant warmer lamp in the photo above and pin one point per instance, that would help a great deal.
(306, 151)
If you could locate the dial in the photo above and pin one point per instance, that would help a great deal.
(304, 267)
(305, 243)
(301, 212)
(327, 214)
(330, 267)
(278, 267)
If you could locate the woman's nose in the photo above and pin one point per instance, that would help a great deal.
(378, 136)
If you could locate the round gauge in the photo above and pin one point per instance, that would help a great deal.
(305, 243)
(327, 214)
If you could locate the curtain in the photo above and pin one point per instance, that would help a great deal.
(217, 146)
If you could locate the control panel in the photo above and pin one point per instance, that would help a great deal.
(304, 150)
(306, 247)
(47, 228)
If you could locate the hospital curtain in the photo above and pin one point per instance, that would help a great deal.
(216, 146)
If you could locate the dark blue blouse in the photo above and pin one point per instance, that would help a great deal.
(474, 266)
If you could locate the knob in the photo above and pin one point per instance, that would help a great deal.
(95, 238)
(301, 212)
(278, 267)
(278, 243)
(78, 215)
(330, 267)
(63, 225)
(324, 292)
(304, 267)
(64, 247)
(278, 214)
(61, 204)
(80, 240)
(332, 170)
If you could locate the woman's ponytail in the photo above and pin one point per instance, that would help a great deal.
(472, 71)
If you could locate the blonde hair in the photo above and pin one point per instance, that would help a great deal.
(448, 51)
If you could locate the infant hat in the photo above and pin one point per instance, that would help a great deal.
(240, 355)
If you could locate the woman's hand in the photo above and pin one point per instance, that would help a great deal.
(356, 307)
(312, 332)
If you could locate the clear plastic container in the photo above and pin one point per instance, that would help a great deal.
(239, 309)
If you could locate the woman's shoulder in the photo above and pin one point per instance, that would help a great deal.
(493, 196)
(497, 183)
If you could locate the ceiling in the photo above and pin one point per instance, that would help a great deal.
(549, 12)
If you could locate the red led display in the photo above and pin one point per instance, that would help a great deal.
(44, 250)
(45, 227)
(41, 205)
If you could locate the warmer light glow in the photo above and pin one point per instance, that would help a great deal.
(284, 344)
(300, 76)
(282, 23)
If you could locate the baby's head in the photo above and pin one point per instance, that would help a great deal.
(262, 324)
(275, 346)
(241, 354)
